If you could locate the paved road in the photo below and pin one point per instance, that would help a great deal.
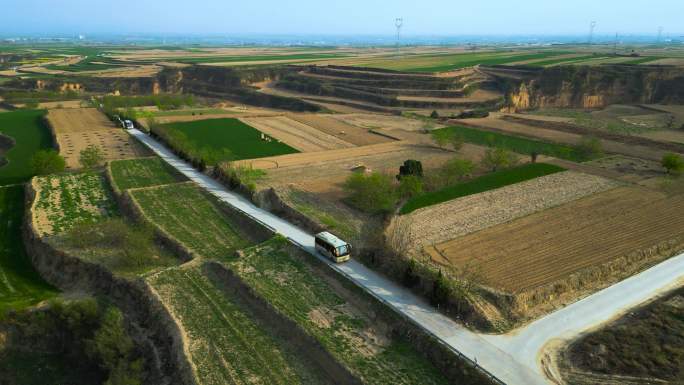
(512, 358)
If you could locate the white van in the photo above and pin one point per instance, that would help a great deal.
(129, 124)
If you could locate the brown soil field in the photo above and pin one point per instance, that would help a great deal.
(477, 96)
(326, 167)
(297, 135)
(63, 104)
(387, 122)
(347, 132)
(127, 72)
(79, 120)
(76, 129)
(516, 128)
(456, 218)
(676, 136)
(524, 254)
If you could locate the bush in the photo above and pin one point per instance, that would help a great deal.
(434, 114)
(673, 163)
(498, 158)
(115, 350)
(441, 137)
(46, 162)
(589, 148)
(411, 167)
(91, 157)
(373, 193)
(410, 186)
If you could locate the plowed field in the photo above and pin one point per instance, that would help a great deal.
(298, 135)
(347, 132)
(77, 128)
(548, 246)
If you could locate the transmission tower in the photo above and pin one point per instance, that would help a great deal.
(615, 44)
(398, 22)
(592, 26)
(660, 34)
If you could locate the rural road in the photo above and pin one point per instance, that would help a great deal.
(512, 358)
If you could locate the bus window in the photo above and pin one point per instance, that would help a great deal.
(342, 250)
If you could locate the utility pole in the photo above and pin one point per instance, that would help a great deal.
(398, 22)
(615, 44)
(592, 26)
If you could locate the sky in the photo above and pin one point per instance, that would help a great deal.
(347, 17)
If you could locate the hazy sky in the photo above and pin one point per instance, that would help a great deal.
(347, 17)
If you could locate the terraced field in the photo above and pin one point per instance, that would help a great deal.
(191, 217)
(143, 172)
(523, 254)
(65, 201)
(229, 139)
(225, 344)
(458, 217)
(355, 340)
(20, 285)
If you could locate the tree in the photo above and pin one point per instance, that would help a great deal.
(441, 137)
(434, 114)
(410, 167)
(372, 193)
(410, 186)
(456, 141)
(456, 170)
(533, 156)
(91, 157)
(673, 163)
(589, 148)
(497, 158)
(47, 162)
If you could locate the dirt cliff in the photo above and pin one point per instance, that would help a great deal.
(589, 86)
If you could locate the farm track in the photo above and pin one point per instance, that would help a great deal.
(624, 220)
(513, 358)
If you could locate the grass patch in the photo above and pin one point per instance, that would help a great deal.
(484, 183)
(30, 135)
(193, 218)
(143, 172)
(20, 284)
(619, 119)
(217, 140)
(226, 341)
(354, 340)
(514, 143)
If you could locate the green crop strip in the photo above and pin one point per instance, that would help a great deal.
(192, 218)
(144, 172)
(20, 284)
(514, 143)
(484, 183)
(30, 135)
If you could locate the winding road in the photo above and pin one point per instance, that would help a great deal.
(513, 358)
